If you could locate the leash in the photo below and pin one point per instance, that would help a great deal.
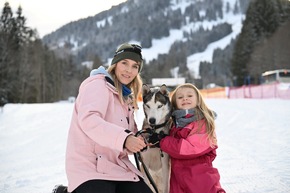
(137, 157)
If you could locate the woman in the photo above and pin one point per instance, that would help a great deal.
(101, 134)
(192, 143)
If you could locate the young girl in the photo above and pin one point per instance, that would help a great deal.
(191, 144)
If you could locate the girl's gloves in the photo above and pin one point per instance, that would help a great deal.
(155, 138)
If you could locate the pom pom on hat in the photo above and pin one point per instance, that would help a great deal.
(128, 51)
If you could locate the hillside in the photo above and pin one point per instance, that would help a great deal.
(177, 34)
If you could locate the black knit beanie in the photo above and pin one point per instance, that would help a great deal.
(128, 51)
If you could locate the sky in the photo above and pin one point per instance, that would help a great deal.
(253, 137)
(47, 16)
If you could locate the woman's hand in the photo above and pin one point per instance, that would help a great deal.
(134, 144)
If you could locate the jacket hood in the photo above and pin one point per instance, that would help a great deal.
(100, 70)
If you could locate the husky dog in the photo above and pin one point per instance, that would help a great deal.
(157, 110)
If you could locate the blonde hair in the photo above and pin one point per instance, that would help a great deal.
(135, 85)
(203, 109)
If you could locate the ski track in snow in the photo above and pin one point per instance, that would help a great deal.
(253, 137)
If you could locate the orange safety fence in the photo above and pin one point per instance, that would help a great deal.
(219, 92)
(140, 99)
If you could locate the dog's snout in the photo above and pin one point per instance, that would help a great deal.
(152, 121)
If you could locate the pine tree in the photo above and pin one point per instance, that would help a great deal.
(265, 18)
(262, 19)
(6, 57)
(15, 37)
(29, 72)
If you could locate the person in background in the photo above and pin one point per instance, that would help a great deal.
(101, 133)
(191, 143)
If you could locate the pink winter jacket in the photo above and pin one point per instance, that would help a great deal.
(99, 127)
(191, 160)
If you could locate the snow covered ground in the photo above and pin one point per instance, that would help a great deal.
(253, 154)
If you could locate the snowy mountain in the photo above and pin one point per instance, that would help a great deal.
(196, 27)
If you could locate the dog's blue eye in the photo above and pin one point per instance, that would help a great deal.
(159, 106)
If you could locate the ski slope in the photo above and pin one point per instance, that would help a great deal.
(253, 137)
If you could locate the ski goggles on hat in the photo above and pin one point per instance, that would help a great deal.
(135, 49)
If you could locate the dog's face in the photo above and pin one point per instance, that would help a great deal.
(156, 104)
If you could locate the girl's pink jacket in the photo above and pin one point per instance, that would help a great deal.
(191, 160)
(99, 127)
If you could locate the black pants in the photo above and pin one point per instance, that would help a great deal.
(105, 186)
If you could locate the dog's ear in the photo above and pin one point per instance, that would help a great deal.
(145, 89)
(163, 90)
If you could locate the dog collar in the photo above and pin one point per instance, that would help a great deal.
(159, 126)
